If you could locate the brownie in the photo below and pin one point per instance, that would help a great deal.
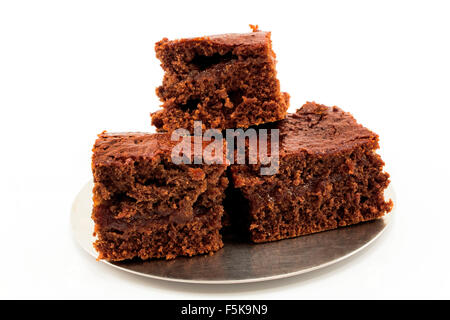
(225, 81)
(329, 176)
(147, 206)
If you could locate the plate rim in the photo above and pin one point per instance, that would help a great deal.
(386, 218)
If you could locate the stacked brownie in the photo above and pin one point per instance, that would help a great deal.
(224, 81)
(148, 205)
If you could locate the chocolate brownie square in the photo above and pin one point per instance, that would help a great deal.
(147, 206)
(329, 176)
(225, 81)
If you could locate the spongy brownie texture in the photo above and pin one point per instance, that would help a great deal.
(225, 81)
(148, 207)
(329, 176)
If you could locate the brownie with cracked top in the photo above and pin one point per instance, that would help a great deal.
(329, 176)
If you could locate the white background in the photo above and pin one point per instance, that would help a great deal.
(69, 70)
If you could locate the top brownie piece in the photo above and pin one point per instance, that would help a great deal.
(186, 55)
(224, 81)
